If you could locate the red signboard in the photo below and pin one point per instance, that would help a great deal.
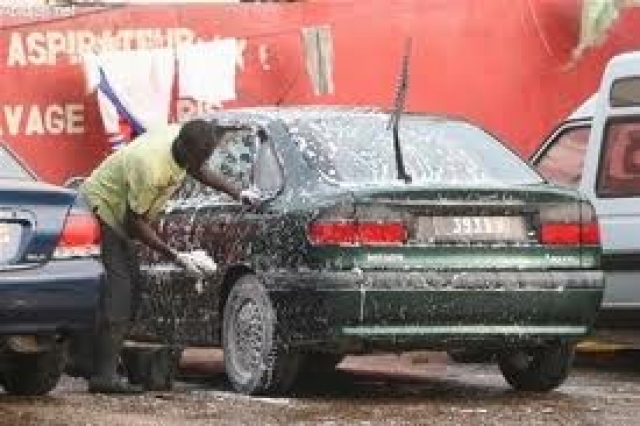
(500, 63)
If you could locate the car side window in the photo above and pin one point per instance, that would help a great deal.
(619, 170)
(234, 157)
(562, 161)
(268, 176)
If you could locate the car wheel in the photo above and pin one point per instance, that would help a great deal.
(470, 356)
(33, 374)
(255, 360)
(538, 369)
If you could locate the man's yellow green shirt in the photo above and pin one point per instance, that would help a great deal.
(142, 175)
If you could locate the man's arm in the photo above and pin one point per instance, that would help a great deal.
(139, 228)
(213, 180)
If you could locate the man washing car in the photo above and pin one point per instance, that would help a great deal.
(127, 192)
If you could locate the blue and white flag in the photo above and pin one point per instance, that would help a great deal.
(132, 87)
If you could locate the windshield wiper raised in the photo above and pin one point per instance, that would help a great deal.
(394, 120)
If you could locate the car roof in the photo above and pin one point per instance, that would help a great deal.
(314, 112)
(622, 65)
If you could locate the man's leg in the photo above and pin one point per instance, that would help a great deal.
(136, 282)
(114, 316)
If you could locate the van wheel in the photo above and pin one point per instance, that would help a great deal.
(538, 369)
(33, 374)
(255, 359)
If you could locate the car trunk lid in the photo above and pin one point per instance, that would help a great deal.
(31, 217)
(461, 228)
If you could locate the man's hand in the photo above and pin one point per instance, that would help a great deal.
(250, 197)
(190, 264)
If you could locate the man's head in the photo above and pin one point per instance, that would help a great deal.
(195, 143)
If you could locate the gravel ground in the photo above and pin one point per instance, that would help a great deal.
(409, 389)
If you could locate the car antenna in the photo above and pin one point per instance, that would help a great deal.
(394, 120)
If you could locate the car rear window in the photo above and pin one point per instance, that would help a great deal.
(10, 168)
(359, 149)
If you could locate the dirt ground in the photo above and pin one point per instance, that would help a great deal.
(389, 390)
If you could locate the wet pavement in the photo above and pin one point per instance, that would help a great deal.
(389, 390)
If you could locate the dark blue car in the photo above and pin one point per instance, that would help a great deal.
(50, 277)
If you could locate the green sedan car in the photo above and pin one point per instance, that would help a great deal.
(473, 253)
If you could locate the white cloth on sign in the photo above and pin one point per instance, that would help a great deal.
(318, 51)
(141, 81)
(207, 71)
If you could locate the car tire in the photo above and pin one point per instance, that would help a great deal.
(538, 369)
(33, 374)
(319, 364)
(255, 359)
(80, 357)
(318, 371)
(471, 356)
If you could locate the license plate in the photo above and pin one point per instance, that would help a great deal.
(472, 228)
(10, 238)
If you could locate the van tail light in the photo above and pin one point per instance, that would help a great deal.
(80, 237)
(353, 233)
(569, 225)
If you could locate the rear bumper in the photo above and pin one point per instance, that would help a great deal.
(58, 297)
(435, 309)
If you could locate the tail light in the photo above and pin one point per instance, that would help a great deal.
(569, 234)
(80, 237)
(590, 233)
(569, 225)
(353, 233)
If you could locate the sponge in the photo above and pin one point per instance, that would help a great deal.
(204, 262)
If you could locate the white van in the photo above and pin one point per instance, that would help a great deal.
(597, 149)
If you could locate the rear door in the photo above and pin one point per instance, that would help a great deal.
(613, 181)
(179, 307)
(231, 232)
(174, 305)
